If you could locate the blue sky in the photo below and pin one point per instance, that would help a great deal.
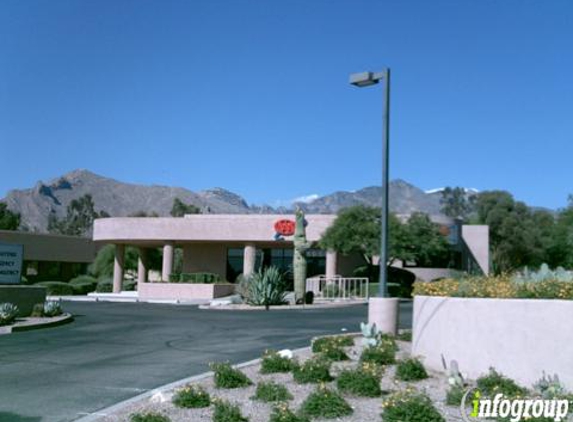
(253, 96)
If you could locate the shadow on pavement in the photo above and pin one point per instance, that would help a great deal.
(12, 417)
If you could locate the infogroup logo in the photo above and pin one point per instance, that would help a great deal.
(516, 409)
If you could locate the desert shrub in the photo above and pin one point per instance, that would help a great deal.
(330, 291)
(319, 344)
(37, 310)
(52, 308)
(270, 391)
(265, 288)
(382, 354)
(83, 279)
(313, 370)
(497, 287)
(282, 413)
(228, 377)
(104, 285)
(227, 412)
(149, 417)
(8, 313)
(549, 387)
(454, 395)
(411, 370)
(273, 362)
(83, 288)
(129, 285)
(196, 278)
(56, 288)
(363, 381)
(191, 396)
(404, 336)
(494, 383)
(325, 403)
(409, 406)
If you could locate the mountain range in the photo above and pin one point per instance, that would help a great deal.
(123, 199)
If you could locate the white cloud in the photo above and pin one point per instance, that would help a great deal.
(306, 199)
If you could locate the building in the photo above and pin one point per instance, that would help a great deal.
(50, 256)
(229, 245)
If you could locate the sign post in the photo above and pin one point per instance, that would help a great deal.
(11, 263)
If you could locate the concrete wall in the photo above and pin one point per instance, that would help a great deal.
(202, 227)
(205, 257)
(24, 297)
(50, 247)
(518, 337)
(183, 291)
(476, 238)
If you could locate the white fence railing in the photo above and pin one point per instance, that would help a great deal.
(338, 288)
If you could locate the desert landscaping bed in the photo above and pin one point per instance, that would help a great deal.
(363, 408)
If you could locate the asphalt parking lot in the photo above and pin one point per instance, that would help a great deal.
(114, 351)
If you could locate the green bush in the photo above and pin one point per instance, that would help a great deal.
(272, 363)
(129, 285)
(411, 370)
(455, 395)
(325, 403)
(404, 336)
(191, 396)
(196, 278)
(227, 412)
(56, 288)
(271, 391)
(8, 313)
(83, 284)
(363, 381)
(410, 407)
(149, 417)
(228, 377)
(82, 279)
(320, 344)
(383, 354)
(282, 413)
(313, 370)
(105, 285)
(494, 383)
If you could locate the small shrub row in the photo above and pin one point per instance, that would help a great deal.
(314, 370)
(363, 381)
(271, 392)
(272, 362)
(196, 278)
(410, 406)
(191, 397)
(410, 370)
(325, 403)
(228, 377)
(319, 345)
(382, 354)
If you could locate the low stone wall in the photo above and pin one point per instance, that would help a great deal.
(24, 297)
(183, 291)
(520, 338)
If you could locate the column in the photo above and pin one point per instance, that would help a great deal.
(249, 258)
(167, 267)
(142, 266)
(331, 264)
(118, 268)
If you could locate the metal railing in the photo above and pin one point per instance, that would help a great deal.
(338, 288)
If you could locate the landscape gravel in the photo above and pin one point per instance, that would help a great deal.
(365, 409)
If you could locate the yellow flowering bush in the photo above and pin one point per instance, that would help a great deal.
(502, 286)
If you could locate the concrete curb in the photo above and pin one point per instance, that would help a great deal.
(164, 388)
(24, 326)
(281, 307)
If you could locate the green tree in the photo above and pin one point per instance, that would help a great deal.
(427, 245)
(179, 208)
(79, 218)
(104, 260)
(456, 203)
(8, 220)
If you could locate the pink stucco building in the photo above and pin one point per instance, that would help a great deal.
(229, 245)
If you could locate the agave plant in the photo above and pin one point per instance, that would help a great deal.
(265, 288)
(52, 308)
(544, 273)
(8, 313)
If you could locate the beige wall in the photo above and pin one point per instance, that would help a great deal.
(205, 257)
(50, 247)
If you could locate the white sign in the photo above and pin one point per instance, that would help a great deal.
(10, 263)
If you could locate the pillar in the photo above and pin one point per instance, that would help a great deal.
(118, 268)
(249, 259)
(142, 266)
(331, 264)
(167, 267)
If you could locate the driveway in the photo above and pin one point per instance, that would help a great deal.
(114, 351)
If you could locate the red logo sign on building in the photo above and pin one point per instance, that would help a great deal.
(285, 227)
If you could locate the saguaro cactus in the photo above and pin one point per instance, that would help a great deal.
(299, 256)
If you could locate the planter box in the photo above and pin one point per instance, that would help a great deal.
(24, 297)
(520, 338)
(183, 291)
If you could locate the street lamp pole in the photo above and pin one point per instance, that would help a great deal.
(362, 80)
